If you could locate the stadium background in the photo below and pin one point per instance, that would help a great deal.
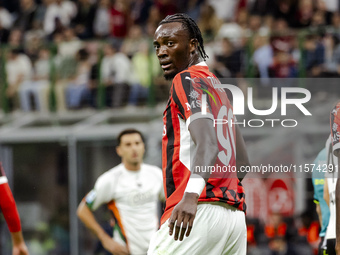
(52, 154)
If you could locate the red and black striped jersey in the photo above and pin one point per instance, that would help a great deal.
(193, 95)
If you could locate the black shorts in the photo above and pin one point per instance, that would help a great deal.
(330, 247)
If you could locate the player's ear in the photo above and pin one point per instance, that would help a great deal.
(118, 150)
(193, 45)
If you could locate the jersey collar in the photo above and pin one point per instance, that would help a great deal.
(201, 64)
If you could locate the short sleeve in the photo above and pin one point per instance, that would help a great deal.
(187, 93)
(101, 193)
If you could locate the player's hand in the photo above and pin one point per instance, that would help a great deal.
(112, 246)
(20, 249)
(337, 248)
(183, 213)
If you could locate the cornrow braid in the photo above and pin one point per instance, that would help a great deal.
(190, 25)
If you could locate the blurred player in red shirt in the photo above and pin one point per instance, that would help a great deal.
(10, 212)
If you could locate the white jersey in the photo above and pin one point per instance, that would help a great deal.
(331, 178)
(132, 196)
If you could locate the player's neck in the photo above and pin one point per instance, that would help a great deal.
(194, 60)
(131, 167)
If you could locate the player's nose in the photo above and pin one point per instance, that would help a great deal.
(162, 52)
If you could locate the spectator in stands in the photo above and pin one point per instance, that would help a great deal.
(336, 22)
(6, 19)
(15, 39)
(41, 12)
(154, 17)
(194, 9)
(309, 231)
(263, 57)
(59, 12)
(166, 7)
(325, 11)
(18, 70)
(132, 42)
(119, 23)
(140, 10)
(313, 53)
(304, 13)
(331, 66)
(116, 74)
(208, 22)
(38, 86)
(78, 91)
(283, 66)
(280, 246)
(101, 23)
(286, 9)
(34, 41)
(83, 21)
(282, 36)
(255, 23)
(26, 15)
(226, 10)
(262, 7)
(229, 62)
(70, 44)
(143, 68)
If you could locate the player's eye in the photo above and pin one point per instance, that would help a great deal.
(156, 47)
(170, 44)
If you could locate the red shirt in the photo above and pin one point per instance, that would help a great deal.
(184, 106)
(118, 23)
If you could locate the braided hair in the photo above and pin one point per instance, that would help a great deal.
(190, 25)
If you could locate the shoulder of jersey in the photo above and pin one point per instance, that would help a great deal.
(154, 169)
(111, 172)
(193, 72)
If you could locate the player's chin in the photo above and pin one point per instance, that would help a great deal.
(169, 74)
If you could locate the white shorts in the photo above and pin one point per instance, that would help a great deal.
(218, 229)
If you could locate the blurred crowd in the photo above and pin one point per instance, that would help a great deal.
(279, 235)
(99, 52)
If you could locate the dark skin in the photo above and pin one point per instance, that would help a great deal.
(174, 49)
(176, 52)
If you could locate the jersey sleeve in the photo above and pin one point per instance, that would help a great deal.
(335, 127)
(101, 193)
(187, 93)
(8, 205)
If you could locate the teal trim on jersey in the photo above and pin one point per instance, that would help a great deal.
(90, 198)
(318, 179)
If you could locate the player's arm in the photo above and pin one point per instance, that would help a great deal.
(19, 246)
(203, 135)
(325, 192)
(10, 212)
(337, 208)
(86, 216)
(242, 159)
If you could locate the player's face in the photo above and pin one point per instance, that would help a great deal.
(131, 148)
(173, 48)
